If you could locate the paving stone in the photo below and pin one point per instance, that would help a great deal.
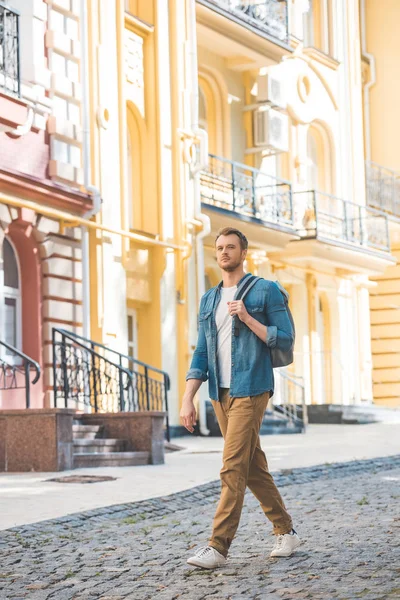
(347, 515)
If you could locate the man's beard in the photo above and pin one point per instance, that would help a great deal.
(229, 267)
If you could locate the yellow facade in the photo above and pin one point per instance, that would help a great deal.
(172, 82)
(382, 122)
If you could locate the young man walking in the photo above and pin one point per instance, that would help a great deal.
(233, 353)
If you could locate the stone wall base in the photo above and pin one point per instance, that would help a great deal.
(36, 440)
(144, 431)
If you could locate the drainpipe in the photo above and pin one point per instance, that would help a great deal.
(201, 164)
(369, 84)
(95, 192)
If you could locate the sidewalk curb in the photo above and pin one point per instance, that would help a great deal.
(205, 494)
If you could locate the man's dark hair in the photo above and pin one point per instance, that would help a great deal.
(231, 230)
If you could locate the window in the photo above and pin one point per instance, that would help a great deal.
(11, 328)
(9, 50)
(129, 159)
(132, 337)
(318, 26)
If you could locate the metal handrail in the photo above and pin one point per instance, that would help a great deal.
(383, 188)
(28, 362)
(290, 411)
(90, 378)
(277, 180)
(270, 17)
(349, 223)
(247, 192)
(121, 354)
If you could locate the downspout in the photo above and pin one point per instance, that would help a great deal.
(201, 164)
(369, 84)
(95, 192)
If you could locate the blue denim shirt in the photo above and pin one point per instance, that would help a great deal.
(251, 372)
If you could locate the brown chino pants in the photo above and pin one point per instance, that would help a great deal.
(244, 463)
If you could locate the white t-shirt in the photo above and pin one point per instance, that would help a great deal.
(223, 321)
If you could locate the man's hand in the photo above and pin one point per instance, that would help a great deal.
(237, 307)
(188, 414)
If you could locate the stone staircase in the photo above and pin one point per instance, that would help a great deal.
(92, 449)
(274, 424)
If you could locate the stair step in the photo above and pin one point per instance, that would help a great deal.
(275, 421)
(110, 459)
(277, 430)
(89, 432)
(98, 445)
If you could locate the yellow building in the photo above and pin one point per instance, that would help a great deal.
(213, 112)
(160, 122)
(380, 50)
(281, 99)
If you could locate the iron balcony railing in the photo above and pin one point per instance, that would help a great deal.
(323, 216)
(247, 192)
(383, 188)
(17, 375)
(91, 376)
(9, 50)
(266, 16)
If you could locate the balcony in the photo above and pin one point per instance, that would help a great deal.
(383, 189)
(9, 50)
(268, 17)
(234, 194)
(339, 234)
(247, 33)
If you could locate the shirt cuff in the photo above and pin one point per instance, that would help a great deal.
(196, 374)
(272, 332)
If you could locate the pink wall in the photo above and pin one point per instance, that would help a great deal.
(20, 233)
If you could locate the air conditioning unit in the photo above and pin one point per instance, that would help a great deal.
(271, 130)
(271, 89)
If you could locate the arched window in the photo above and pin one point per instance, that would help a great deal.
(11, 325)
(137, 165)
(202, 110)
(320, 159)
(312, 162)
(129, 159)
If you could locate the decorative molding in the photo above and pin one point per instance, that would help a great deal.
(322, 58)
(310, 63)
(138, 25)
(46, 192)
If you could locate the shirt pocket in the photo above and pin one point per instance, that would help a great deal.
(257, 312)
(204, 316)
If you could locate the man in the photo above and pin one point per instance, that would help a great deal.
(237, 363)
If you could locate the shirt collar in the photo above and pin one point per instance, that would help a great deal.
(239, 283)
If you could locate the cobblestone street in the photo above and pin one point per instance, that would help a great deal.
(347, 514)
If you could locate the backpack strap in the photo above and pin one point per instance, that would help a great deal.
(240, 294)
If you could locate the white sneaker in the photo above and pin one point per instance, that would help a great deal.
(285, 544)
(207, 558)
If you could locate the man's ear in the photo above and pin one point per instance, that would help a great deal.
(244, 254)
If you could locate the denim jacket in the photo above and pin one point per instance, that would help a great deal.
(251, 372)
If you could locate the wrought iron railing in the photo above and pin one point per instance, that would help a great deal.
(327, 217)
(16, 375)
(246, 191)
(292, 398)
(383, 188)
(267, 16)
(9, 50)
(91, 376)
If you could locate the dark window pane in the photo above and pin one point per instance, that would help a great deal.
(10, 321)
(10, 266)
